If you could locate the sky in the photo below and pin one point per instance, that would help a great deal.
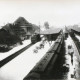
(57, 12)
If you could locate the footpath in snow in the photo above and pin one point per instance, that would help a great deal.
(72, 67)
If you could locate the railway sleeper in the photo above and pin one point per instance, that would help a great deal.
(54, 47)
(38, 71)
(43, 64)
(58, 40)
(47, 73)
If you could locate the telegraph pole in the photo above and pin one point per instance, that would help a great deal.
(39, 27)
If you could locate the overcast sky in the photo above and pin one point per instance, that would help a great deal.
(56, 12)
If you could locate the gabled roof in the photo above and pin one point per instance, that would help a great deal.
(21, 21)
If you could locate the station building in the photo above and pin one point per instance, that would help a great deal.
(50, 34)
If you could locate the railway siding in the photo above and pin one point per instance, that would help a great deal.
(9, 58)
(50, 57)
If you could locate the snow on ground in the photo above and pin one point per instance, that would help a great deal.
(15, 49)
(69, 41)
(20, 66)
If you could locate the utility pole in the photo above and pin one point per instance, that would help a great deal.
(39, 27)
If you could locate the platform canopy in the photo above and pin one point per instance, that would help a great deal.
(49, 31)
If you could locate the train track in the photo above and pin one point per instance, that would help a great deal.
(9, 58)
(77, 43)
(51, 64)
(43, 68)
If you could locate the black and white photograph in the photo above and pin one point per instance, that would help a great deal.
(39, 39)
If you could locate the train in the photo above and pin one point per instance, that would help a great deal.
(35, 38)
(44, 67)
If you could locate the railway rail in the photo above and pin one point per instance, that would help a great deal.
(76, 43)
(9, 58)
(54, 65)
(42, 69)
(12, 56)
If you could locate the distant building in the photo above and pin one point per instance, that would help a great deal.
(23, 28)
(50, 34)
(13, 34)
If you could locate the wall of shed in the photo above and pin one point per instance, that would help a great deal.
(51, 37)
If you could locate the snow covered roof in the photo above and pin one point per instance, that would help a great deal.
(49, 31)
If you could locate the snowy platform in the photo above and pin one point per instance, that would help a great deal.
(19, 67)
(15, 49)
